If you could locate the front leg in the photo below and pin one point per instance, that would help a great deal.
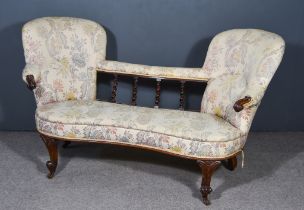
(207, 168)
(51, 145)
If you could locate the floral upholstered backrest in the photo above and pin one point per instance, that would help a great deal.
(65, 52)
(240, 62)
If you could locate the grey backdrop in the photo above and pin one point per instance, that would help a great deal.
(161, 32)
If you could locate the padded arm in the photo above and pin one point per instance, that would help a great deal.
(176, 73)
(31, 74)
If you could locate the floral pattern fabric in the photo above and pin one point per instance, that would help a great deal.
(153, 71)
(62, 53)
(239, 63)
(188, 133)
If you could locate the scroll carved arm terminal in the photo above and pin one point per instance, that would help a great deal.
(239, 105)
(31, 84)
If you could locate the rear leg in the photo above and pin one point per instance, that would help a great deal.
(66, 144)
(230, 163)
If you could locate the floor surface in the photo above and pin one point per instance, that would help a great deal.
(95, 176)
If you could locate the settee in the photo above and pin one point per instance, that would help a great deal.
(64, 54)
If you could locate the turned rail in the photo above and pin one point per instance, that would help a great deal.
(158, 82)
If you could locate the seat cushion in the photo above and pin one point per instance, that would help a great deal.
(186, 133)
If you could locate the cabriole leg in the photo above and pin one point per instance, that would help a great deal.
(207, 168)
(51, 146)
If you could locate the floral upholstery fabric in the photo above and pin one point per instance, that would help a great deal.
(30, 69)
(62, 53)
(187, 133)
(153, 71)
(240, 62)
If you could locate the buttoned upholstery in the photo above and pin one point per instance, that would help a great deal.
(239, 63)
(62, 54)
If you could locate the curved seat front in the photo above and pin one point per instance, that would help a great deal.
(190, 134)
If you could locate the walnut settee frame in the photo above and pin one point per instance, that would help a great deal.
(64, 54)
(207, 165)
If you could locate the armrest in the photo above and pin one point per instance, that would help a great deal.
(31, 74)
(243, 103)
(176, 73)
